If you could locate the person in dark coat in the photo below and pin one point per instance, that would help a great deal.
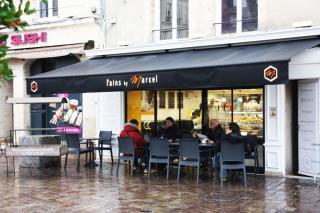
(170, 130)
(233, 135)
(215, 133)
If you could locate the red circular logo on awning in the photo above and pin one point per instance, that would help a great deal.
(271, 73)
(34, 86)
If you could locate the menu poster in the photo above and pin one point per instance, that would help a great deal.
(67, 117)
(309, 149)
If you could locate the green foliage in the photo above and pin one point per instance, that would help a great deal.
(10, 17)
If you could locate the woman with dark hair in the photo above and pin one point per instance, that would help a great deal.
(232, 135)
(170, 130)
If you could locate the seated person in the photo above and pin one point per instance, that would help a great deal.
(170, 130)
(233, 135)
(215, 133)
(131, 130)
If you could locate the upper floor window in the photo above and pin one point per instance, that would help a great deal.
(238, 16)
(174, 19)
(48, 10)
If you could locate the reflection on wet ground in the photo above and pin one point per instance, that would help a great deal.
(99, 190)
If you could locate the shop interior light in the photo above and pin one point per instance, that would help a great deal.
(223, 99)
(240, 99)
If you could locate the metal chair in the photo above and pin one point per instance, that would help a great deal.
(189, 155)
(74, 147)
(232, 157)
(252, 142)
(126, 151)
(104, 144)
(159, 153)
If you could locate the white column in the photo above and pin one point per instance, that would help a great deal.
(6, 121)
(90, 114)
(275, 129)
(21, 112)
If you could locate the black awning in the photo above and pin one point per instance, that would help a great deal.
(250, 65)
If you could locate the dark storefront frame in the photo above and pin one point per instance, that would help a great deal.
(204, 103)
(205, 117)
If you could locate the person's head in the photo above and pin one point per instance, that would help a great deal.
(213, 123)
(169, 122)
(195, 114)
(134, 122)
(234, 128)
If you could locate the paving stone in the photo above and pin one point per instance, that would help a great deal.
(99, 190)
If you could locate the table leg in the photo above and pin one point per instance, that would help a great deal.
(7, 166)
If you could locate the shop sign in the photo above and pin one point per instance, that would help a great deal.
(134, 81)
(271, 73)
(28, 38)
(33, 151)
(34, 86)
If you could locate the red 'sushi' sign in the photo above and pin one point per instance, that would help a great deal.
(28, 38)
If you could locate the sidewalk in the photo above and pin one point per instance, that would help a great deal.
(98, 190)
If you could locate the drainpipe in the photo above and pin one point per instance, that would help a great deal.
(102, 25)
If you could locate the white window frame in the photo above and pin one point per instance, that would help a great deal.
(218, 24)
(156, 32)
(50, 12)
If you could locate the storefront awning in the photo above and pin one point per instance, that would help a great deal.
(236, 66)
(36, 100)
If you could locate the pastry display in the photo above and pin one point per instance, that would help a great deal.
(246, 109)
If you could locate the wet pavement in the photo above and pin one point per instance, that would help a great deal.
(99, 190)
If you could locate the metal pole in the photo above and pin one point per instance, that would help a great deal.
(102, 23)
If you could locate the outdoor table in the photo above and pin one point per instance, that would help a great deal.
(90, 142)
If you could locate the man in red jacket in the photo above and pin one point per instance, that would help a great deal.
(131, 130)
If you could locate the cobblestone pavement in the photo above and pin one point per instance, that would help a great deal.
(99, 190)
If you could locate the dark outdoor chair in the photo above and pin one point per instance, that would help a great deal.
(186, 135)
(189, 155)
(74, 147)
(126, 151)
(105, 144)
(232, 157)
(159, 153)
(252, 151)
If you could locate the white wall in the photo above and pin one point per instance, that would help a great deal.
(305, 65)
(66, 9)
(110, 116)
(280, 15)
(6, 109)
(129, 22)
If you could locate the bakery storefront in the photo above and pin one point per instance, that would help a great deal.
(231, 83)
(192, 109)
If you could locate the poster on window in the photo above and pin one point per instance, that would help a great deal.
(147, 98)
(67, 117)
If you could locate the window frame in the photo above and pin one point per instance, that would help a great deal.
(50, 11)
(218, 23)
(157, 20)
